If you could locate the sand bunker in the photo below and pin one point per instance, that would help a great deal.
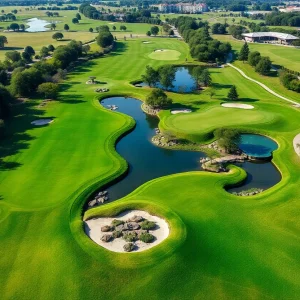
(42, 122)
(93, 230)
(180, 111)
(296, 144)
(146, 42)
(237, 105)
(161, 50)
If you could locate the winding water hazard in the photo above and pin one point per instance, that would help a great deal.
(147, 161)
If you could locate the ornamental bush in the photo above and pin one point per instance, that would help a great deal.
(130, 236)
(148, 225)
(116, 222)
(146, 237)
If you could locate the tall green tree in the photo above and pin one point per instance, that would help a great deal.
(154, 30)
(232, 94)
(29, 50)
(48, 89)
(66, 27)
(167, 76)
(151, 76)
(14, 26)
(264, 66)
(105, 39)
(57, 36)
(158, 99)
(196, 73)
(75, 21)
(44, 52)
(254, 58)
(5, 101)
(228, 139)
(78, 16)
(13, 56)
(205, 78)
(243, 55)
(3, 41)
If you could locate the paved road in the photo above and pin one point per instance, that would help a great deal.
(263, 86)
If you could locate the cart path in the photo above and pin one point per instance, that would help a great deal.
(263, 86)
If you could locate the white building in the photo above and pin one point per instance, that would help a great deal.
(188, 8)
(269, 37)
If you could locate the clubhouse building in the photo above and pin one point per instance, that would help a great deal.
(185, 8)
(269, 37)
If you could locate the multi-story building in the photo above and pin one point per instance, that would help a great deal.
(188, 8)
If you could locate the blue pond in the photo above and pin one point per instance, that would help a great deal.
(183, 83)
(147, 161)
(257, 145)
(37, 25)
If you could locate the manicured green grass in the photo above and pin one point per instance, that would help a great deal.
(229, 247)
(165, 55)
(287, 57)
(19, 40)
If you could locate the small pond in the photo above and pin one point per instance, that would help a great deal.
(257, 145)
(147, 161)
(37, 25)
(183, 83)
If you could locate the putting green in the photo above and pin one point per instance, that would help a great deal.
(203, 122)
(165, 54)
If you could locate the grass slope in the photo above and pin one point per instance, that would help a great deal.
(288, 57)
(235, 248)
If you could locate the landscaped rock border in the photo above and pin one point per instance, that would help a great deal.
(132, 218)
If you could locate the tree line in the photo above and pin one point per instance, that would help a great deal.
(283, 19)
(139, 16)
(202, 46)
(263, 65)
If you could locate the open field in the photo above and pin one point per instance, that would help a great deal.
(19, 40)
(288, 57)
(221, 246)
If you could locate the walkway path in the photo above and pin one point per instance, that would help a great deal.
(264, 86)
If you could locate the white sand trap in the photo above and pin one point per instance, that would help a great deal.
(237, 105)
(93, 230)
(146, 42)
(161, 50)
(180, 111)
(42, 122)
(296, 142)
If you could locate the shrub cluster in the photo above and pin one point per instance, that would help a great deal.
(290, 81)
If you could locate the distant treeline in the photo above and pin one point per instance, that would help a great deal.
(69, 7)
(202, 46)
(140, 16)
(283, 19)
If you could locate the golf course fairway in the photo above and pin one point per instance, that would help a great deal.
(220, 246)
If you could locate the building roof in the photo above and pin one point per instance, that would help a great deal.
(279, 35)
